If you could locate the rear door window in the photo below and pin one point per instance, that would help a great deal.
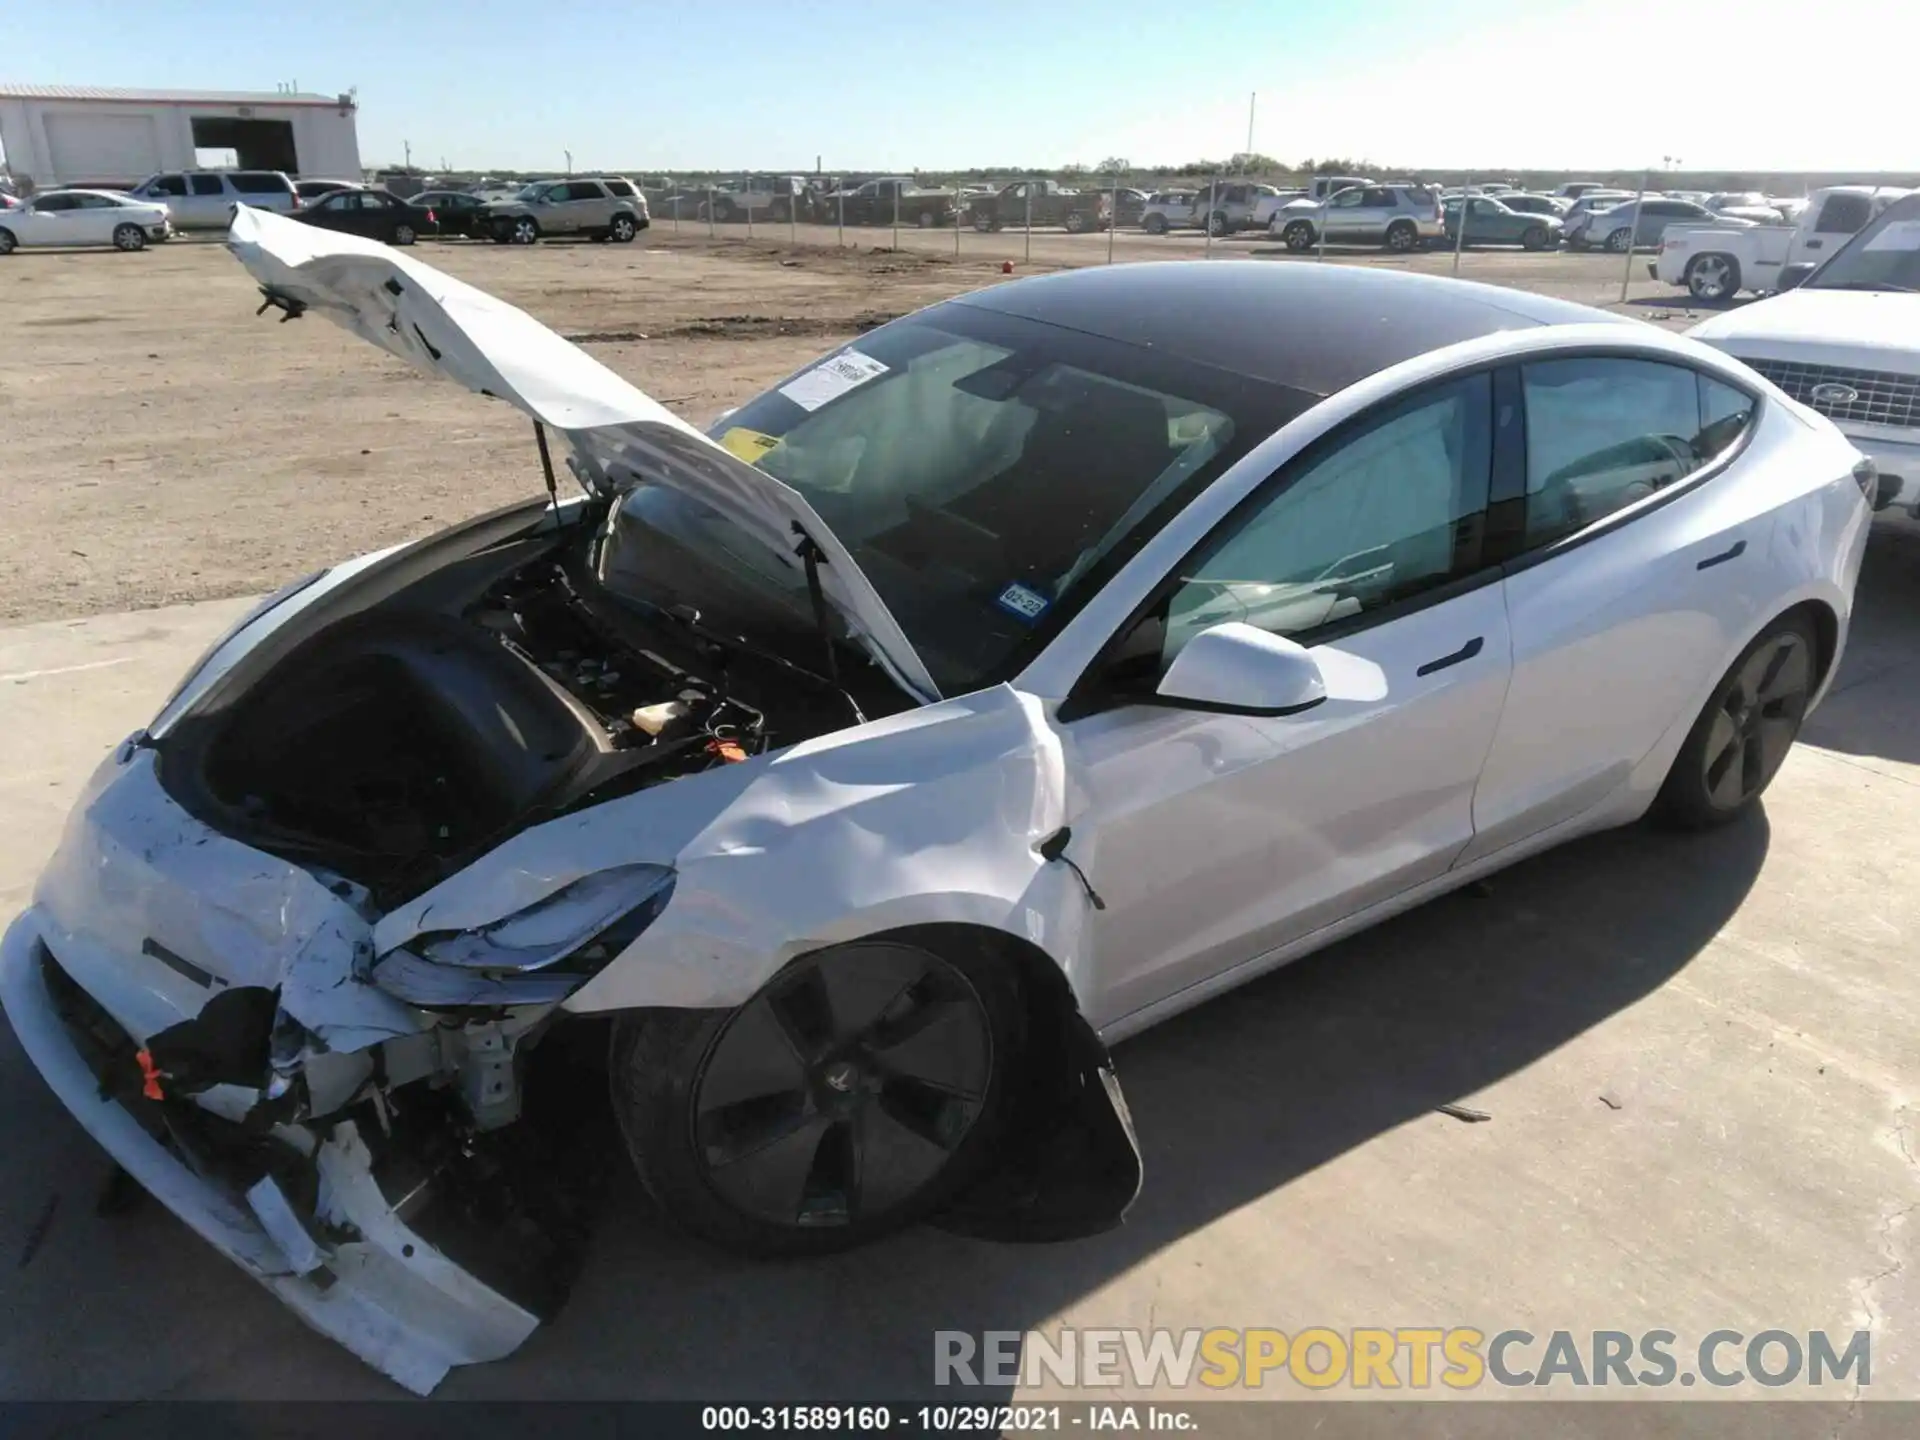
(165, 185)
(208, 185)
(261, 182)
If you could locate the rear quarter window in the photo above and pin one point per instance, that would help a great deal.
(620, 188)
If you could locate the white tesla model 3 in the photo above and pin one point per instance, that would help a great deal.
(1035, 667)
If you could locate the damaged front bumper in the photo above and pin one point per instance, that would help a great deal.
(352, 1268)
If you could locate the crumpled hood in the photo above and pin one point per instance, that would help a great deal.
(1832, 320)
(616, 436)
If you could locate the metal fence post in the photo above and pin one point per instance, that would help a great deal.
(896, 214)
(1113, 215)
(1326, 209)
(711, 232)
(747, 190)
(1029, 222)
(1212, 198)
(1460, 235)
(793, 219)
(956, 219)
(840, 200)
(676, 207)
(1633, 231)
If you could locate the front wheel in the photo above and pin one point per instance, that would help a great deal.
(1620, 241)
(525, 230)
(1535, 238)
(129, 237)
(1217, 225)
(859, 1089)
(1076, 223)
(1737, 745)
(1154, 224)
(1713, 278)
(925, 220)
(7, 242)
(622, 230)
(1298, 235)
(403, 235)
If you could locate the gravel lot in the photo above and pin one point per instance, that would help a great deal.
(164, 444)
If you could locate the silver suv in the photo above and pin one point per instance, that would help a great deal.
(205, 199)
(1400, 217)
(601, 207)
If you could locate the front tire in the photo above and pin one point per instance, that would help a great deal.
(1620, 241)
(1154, 224)
(524, 231)
(1075, 222)
(862, 1087)
(7, 242)
(1534, 238)
(1298, 236)
(925, 220)
(1217, 225)
(1743, 735)
(129, 238)
(403, 235)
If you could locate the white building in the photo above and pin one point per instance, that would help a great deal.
(74, 135)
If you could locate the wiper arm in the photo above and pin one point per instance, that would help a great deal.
(813, 557)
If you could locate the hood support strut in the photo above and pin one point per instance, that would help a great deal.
(546, 465)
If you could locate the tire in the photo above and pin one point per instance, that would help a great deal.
(129, 238)
(985, 223)
(7, 242)
(1217, 225)
(1298, 235)
(622, 230)
(815, 1112)
(1534, 237)
(1713, 279)
(403, 235)
(1737, 745)
(778, 212)
(1076, 223)
(1154, 224)
(926, 220)
(523, 230)
(725, 212)
(1620, 241)
(1402, 237)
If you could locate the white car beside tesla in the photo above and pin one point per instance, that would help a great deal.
(1032, 668)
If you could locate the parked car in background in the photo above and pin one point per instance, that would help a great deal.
(83, 217)
(1166, 210)
(598, 207)
(205, 199)
(1636, 224)
(309, 190)
(1717, 262)
(1791, 207)
(1846, 342)
(1593, 200)
(1489, 222)
(1230, 206)
(1043, 203)
(763, 197)
(1401, 218)
(1129, 205)
(1527, 204)
(453, 212)
(373, 213)
(1743, 205)
(890, 198)
(1574, 189)
(1325, 187)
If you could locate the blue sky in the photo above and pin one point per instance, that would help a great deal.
(900, 84)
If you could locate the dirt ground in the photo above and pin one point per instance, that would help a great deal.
(163, 444)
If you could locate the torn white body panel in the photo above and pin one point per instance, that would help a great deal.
(617, 435)
(930, 816)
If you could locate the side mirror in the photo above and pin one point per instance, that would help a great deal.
(1240, 668)
(1793, 276)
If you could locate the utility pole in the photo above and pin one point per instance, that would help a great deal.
(409, 148)
(569, 155)
(1246, 158)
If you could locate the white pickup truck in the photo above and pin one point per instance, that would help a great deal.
(1846, 341)
(1717, 262)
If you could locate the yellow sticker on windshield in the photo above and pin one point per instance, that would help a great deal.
(749, 445)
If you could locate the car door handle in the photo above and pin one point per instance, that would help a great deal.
(1738, 549)
(1813, 244)
(1464, 653)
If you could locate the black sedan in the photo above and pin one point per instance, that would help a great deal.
(373, 213)
(453, 212)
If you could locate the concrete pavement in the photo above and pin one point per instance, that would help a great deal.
(1699, 1056)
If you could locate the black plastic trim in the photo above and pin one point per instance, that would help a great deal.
(1459, 657)
(1738, 548)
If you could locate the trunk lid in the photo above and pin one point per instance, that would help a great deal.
(615, 436)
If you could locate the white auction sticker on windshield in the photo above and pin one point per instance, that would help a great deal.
(1900, 235)
(832, 378)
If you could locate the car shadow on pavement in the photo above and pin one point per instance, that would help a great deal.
(1871, 710)
(1233, 1101)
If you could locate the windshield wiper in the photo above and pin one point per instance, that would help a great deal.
(813, 557)
(1869, 285)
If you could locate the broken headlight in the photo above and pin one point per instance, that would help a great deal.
(534, 956)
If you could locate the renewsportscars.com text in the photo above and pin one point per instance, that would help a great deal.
(1398, 1358)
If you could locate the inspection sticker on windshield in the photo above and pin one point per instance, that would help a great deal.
(832, 378)
(1017, 599)
(749, 445)
(1900, 235)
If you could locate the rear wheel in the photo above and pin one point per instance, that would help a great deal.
(7, 242)
(1713, 278)
(926, 220)
(1534, 238)
(622, 230)
(129, 237)
(1402, 236)
(1737, 745)
(1621, 240)
(1218, 225)
(859, 1089)
(1155, 224)
(1298, 235)
(403, 235)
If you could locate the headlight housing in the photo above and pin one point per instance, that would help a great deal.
(535, 956)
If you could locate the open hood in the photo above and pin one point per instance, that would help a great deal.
(616, 436)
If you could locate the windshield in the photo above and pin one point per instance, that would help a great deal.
(1885, 255)
(988, 472)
